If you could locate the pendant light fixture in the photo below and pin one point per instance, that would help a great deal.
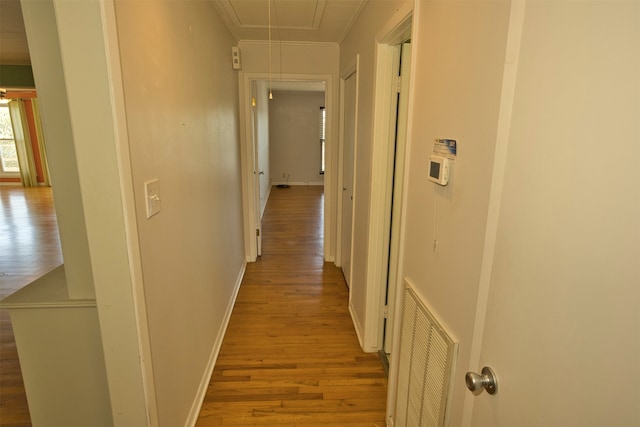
(270, 93)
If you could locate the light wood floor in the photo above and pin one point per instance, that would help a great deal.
(291, 356)
(29, 248)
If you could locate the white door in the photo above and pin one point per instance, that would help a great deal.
(350, 91)
(562, 328)
(397, 190)
(258, 190)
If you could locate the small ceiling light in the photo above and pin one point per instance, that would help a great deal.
(3, 94)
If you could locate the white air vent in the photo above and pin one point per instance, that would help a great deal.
(427, 353)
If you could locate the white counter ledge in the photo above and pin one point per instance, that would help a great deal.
(49, 290)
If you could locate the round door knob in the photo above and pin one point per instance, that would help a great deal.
(487, 380)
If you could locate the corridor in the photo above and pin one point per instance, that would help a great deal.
(291, 356)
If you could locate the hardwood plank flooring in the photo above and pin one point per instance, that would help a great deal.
(291, 356)
(29, 248)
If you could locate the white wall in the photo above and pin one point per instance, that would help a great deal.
(182, 107)
(294, 130)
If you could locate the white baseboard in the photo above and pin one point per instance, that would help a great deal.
(356, 325)
(206, 378)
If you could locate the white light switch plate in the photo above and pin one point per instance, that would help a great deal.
(152, 197)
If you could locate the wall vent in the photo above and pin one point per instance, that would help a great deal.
(426, 363)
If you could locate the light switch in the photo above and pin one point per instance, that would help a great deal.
(152, 197)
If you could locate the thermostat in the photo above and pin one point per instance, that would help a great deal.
(439, 169)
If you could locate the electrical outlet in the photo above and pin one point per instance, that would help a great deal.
(152, 197)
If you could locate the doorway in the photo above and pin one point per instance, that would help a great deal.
(395, 184)
(387, 172)
(261, 158)
(349, 97)
(23, 158)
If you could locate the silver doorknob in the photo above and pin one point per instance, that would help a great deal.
(487, 380)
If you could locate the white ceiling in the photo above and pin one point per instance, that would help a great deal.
(13, 40)
(291, 20)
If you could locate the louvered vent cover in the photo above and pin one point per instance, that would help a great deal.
(427, 354)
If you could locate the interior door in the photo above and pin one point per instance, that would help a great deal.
(350, 91)
(397, 190)
(256, 101)
(562, 328)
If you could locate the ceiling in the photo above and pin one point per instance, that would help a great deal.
(13, 40)
(291, 20)
(325, 21)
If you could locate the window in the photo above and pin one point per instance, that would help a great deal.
(323, 120)
(8, 154)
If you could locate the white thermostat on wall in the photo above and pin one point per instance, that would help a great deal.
(439, 169)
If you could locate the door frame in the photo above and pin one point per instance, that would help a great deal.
(395, 32)
(348, 71)
(250, 174)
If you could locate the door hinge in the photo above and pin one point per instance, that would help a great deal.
(385, 312)
(398, 83)
(257, 232)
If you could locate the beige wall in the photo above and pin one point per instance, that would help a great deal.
(456, 95)
(456, 84)
(564, 297)
(294, 130)
(459, 64)
(310, 62)
(182, 106)
(47, 68)
(289, 58)
(362, 40)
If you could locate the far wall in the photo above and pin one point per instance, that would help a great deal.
(294, 134)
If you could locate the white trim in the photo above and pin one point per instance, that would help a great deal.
(509, 76)
(128, 205)
(356, 324)
(380, 205)
(196, 406)
(350, 69)
(399, 300)
(289, 43)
